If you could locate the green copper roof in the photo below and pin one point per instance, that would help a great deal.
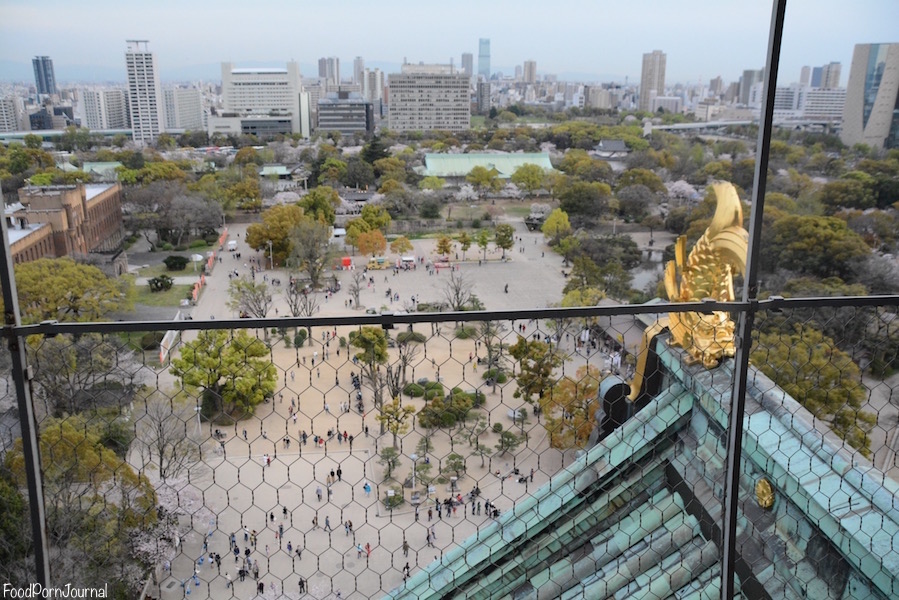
(460, 165)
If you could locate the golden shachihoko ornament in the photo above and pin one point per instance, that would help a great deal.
(708, 272)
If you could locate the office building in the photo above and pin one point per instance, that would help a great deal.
(483, 97)
(484, 58)
(750, 78)
(652, 78)
(358, 70)
(346, 112)
(668, 104)
(871, 112)
(468, 63)
(44, 77)
(11, 114)
(373, 88)
(329, 69)
(805, 76)
(144, 92)
(825, 104)
(183, 109)
(426, 97)
(105, 109)
(827, 77)
(262, 101)
(530, 71)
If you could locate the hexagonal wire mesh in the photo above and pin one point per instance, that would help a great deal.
(257, 461)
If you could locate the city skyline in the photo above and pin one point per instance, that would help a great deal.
(604, 50)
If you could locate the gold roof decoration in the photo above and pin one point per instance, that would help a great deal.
(708, 273)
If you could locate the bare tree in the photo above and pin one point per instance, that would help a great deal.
(249, 298)
(166, 436)
(301, 302)
(491, 337)
(407, 352)
(310, 243)
(356, 286)
(457, 291)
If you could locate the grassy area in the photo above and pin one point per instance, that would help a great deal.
(477, 121)
(160, 269)
(522, 209)
(171, 297)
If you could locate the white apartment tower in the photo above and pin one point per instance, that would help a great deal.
(183, 109)
(468, 63)
(358, 70)
(652, 78)
(329, 69)
(426, 97)
(11, 113)
(373, 85)
(105, 109)
(144, 92)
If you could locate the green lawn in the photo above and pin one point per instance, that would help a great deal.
(171, 297)
(522, 209)
(157, 270)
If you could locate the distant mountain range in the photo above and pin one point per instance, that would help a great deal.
(65, 74)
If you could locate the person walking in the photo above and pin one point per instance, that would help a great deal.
(318, 492)
(405, 548)
(327, 523)
(406, 571)
(302, 584)
(339, 474)
(228, 579)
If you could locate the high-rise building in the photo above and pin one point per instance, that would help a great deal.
(329, 69)
(425, 97)
(530, 71)
(144, 92)
(483, 97)
(346, 112)
(871, 112)
(183, 109)
(749, 79)
(652, 78)
(805, 76)
(262, 100)
(484, 58)
(373, 85)
(11, 113)
(105, 109)
(830, 76)
(468, 63)
(358, 69)
(44, 77)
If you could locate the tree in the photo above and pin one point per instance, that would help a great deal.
(483, 240)
(359, 174)
(455, 463)
(248, 298)
(484, 180)
(321, 204)
(587, 200)
(333, 171)
(401, 245)
(354, 229)
(556, 226)
(505, 237)
(508, 442)
(807, 365)
(642, 177)
(444, 245)
(569, 407)
(61, 289)
(395, 418)
(491, 336)
(247, 156)
(537, 361)
(634, 201)
(164, 435)
(407, 346)
(372, 345)
(528, 177)
(458, 291)
(234, 370)
(374, 150)
(162, 283)
(372, 243)
(310, 243)
(357, 284)
(376, 216)
(432, 183)
(390, 458)
(390, 168)
(820, 246)
(79, 373)
(277, 224)
(445, 412)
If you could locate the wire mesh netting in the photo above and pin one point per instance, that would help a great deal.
(566, 457)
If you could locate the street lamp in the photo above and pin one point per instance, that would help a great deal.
(414, 458)
(271, 257)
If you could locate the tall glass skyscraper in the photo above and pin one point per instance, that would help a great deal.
(484, 57)
(44, 78)
(871, 112)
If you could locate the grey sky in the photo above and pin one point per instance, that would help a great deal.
(702, 38)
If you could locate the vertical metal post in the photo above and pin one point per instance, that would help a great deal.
(747, 318)
(27, 422)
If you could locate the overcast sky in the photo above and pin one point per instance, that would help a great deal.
(605, 39)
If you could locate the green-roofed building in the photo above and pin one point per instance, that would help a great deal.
(638, 515)
(279, 171)
(460, 165)
(102, 171)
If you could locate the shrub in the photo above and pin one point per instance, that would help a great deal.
(500, 376)
(151, 340)
(476, 224)
(497, 428)
(460, 224)
(404, 337)
(397, 499)
(434, 389)
(414, 390)
(342, 342)
(299, 338)
(162, 283)
(198, 244)
(167, 247)
(211, 238)
(464, 333)
(181, 248)
(175, 262)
